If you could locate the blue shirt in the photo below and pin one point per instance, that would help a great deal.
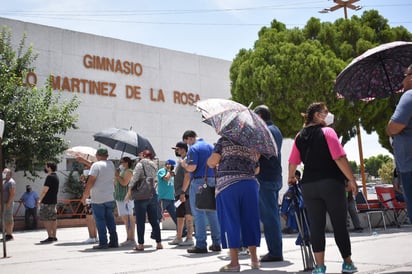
(30, 199)
(271, 169)
(197, 155)
(402, 142)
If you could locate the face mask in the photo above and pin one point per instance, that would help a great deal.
(121, 167)
(329, 119)
(4, 175)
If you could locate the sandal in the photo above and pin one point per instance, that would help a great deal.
(229, 268)
(139, 248)
(255, 265)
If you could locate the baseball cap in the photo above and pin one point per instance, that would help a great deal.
(180, 145)
(102, 152)
(171, 162)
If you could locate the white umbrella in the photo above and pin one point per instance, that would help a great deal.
(85, 152)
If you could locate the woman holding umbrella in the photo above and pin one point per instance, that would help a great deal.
(323, 183)
(237, 199)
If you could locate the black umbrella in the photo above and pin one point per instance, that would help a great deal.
(125, 140)
(377, 73)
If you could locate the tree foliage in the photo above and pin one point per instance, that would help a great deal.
(288, 69)
(36, 119)
(374, 163)
(386, 172)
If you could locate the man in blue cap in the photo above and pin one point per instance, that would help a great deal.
(166, 189)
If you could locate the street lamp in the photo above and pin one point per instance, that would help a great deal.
(342, 4)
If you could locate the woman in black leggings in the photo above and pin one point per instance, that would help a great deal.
(326, 169)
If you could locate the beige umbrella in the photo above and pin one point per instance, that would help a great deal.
(85, 152)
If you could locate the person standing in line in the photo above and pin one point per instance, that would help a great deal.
(146, 167)
(326, 179)
(183, 211)
(166, 189)
(237, 199)
(125, 209)
(9, 191)
(195, 163)
(100, 188)
(48, 202)
(29, 200)
(270, 180)
(400, 130)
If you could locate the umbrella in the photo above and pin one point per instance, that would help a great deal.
(85, 152)
(377, 73)
(213, 106)
(125, 140)
(240, 125)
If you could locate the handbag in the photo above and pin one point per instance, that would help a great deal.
(143, 190)
(205, 198)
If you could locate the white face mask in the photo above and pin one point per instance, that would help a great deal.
(329, 119)
(4, 175)
(121, 167)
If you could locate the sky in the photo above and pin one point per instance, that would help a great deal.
(214, 28)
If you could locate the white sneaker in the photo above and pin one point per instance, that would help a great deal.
(128, 243)
(187, 242)
(90, 241)
(176, 241)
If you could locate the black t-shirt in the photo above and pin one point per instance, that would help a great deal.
(52, 181)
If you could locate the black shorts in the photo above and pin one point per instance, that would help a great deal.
(184, 208)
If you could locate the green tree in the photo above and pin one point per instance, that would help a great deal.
(374, 163)
(288, 69)
(386, 172)
(36, 119)
(354, 166)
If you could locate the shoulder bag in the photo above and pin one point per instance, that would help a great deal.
(143, 190)
(205, 197)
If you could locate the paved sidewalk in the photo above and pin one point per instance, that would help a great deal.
(389, 251)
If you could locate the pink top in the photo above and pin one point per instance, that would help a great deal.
(335, 147)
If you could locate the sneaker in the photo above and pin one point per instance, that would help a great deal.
(349, 268)
(8, 238)
(90, 241)
(243, 251)
(197, 250)
(176, 241)
(104, 246)
(48, 240)
(128, 243)
(319, 269)
(215, 248)
(187, 242)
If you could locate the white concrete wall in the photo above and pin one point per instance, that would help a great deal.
(62, 53)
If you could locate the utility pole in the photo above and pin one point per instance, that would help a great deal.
(345, 5)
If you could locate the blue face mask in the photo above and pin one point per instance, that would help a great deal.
(4, 175)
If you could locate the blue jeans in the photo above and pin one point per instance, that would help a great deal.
(103, 216)
(201, 215)
(270, 217)
(169, 205)
(406, 179)
(150, 207)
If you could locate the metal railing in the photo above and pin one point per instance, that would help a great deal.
(65, 209)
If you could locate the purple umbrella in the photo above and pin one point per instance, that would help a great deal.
(239, 124)
(377, 73)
